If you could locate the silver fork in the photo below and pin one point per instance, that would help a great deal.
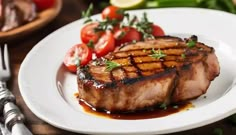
(13, 118)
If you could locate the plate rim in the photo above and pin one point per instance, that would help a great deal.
(35, 111)
(42, 19)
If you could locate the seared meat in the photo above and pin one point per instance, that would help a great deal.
(12, 17)
(141, 80)
(28, 9)
(1, 13)
(15, 13)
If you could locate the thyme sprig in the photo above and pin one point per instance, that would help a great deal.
(90, 44)
(106, 24)
(145, 27)
(191, 43)
(130, 21)
(183, 55)
(110, 65)
(87, 14)
(77, 61)
(163, 106)
(121, 35)
(120, 11)
(157, 54)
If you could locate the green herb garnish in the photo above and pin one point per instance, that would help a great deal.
(132, 21)
(145, 19)
(90, 44)
(183, 55)
(87, 14)
(145, 27)
(175, 106)
(191, 43)
(157, 54)
(200, 49)
(120, 11)
(110, 65)
(134, 41)
(77, 61)
(121, 35)
(106, 24)
(163, 106)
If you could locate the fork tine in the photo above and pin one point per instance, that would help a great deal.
(6, 58)
(1, 63)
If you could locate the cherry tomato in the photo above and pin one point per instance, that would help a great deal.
(112, 12)
(44, 4)
(126, 34)
(105, 44)
(88, 33)
(78, 54)
(157, 31)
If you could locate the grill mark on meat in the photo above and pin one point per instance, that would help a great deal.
(139, 72)
(173, 60)
(161, 74)
(87, 78)
(112, 78)
(143, 81)
(149, 59)
(168, 51)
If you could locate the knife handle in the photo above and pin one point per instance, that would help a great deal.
(20, 129)
(14, 120)
(5, 95)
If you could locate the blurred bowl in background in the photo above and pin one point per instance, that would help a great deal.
(43, 18)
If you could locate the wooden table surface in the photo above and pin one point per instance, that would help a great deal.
(71, 11)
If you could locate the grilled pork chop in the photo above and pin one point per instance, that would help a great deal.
(148, 73)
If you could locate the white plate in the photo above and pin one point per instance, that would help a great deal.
(48, 88)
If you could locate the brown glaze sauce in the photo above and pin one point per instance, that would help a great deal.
(145, 114)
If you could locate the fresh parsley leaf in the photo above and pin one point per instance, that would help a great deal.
(88, 20)
(121, 35)
(127, 16)
(120, 11)
(110, 65)
(148, 36)
(157, 54)
(88, 13)
(132, 21)
(183, 55)
(90, 44)
(134, 41)
(77, 61)
(106, 24)
(200, 49)
(145, 19)
(145, 27)
(175, 106)
(163, 106)
(191, 43)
